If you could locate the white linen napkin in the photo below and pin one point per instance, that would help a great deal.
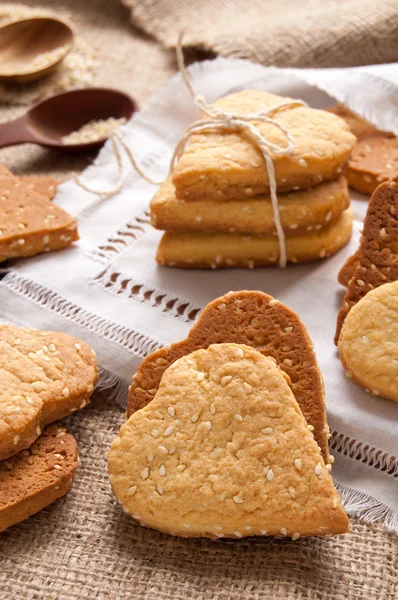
(108, 290)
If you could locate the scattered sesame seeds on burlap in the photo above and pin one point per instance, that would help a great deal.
(378, 251)
(83, 547)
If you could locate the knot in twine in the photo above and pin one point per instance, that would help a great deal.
(219, 121)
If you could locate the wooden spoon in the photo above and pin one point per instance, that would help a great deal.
(32, 48)
(47, 122)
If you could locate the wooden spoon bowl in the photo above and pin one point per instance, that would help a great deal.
(32, 48)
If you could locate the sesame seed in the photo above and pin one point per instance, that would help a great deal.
(172, 449)
(288, 329)
(226, 379)
(212, 409)
(51, 347)
(237, 499)
(383, 232)
(238, 534)
(17, 341)
(150, 457)
(207, 424)
(200, 376)
(159, 489)
(145, 473)
(38, 430)
(287, 362)
(181, 468)
(302, 162)
(162, 470)
(292, 492)
(360, 282)
(293, 226)
(194, 418)
(310, 427)
(298, 463)
(328, 467)
(335, 503)
(295, 536)
(213, 477)
(163, 449)
(284, 531)
(218, 527)
(58, 467)
(16, 439)
(270, 475)
(240, 353)
(267, 430)
(222, 306)
(132, 490)
(322, 253)
(65, 392)
(21, 242)
(169, 430)
(238, 417)
(155, 433)
(273, 302)
(318, 469)
(248, 388)
(171, 411)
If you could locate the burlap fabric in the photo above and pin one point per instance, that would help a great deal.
(84, 546)
(295, 33)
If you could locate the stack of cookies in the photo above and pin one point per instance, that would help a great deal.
(44, 376)
(216, 207)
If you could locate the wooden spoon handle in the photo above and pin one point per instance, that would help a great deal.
(16, 132)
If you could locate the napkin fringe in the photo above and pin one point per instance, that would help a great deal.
(367, 508)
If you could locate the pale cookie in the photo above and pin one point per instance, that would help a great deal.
(29, 222)
(44, 376)
(372, 161)
(226, 165)
(358, 126)
(254, 319)
(34, 478)
(223, 450)
(299, 211)
(377, 256)
(368, 342)
(198, 250)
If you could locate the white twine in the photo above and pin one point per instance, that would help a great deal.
(222, 121)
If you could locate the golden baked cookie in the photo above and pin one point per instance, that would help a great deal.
(377, 256)
(34, 478)
(358, 126)
(224, 250)
(44, 376)
(254, 319)
(29, 222)
(368, 342)
(372, 161)
(299, 211)
(223, 450)
(227, 165)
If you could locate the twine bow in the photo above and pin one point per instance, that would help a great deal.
(222, 121)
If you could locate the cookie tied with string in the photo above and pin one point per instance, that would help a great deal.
(223, 450)
(225, 164)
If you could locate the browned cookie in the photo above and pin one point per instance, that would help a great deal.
(44, 376)
(372, 161)
(254, 319)
(378, 250)
(33, 478)
(347, 270)
(29, 222)
(358, 126)
(44, 185)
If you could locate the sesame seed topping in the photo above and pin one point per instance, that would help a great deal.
(172, 449)
(159, 489)
(163, 449)
(298, 463)
(273, 302)
(145, 473)
(360, 282)
(162, 470)
(270, 475)
(302, 162)
(318, 469)
(150, 457)
(287, 362)
(335, 503)
(132, 490)
(58, 467)
(295, 536)
(328, 467)
(194, 418)
(222, 306)
(21, 242)
(65, 392)
(383, 232)
(38, 430)
(169, 430)
(292, 492)
(237, 499)
(267, 430)
(226, 379)
(155, 433)
(171, 411)
(213, 477)
(284, 531)
(248, 388)
(238, 417)
(212, 409)
(240, 353)
(238, 534)
(207, 424)
(181, 468)
(310, 427)
(201, 376)
(263, 531)
(16, 439)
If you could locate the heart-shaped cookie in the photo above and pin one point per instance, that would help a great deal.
(224, 450)
(44, 376)
(254, 319)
